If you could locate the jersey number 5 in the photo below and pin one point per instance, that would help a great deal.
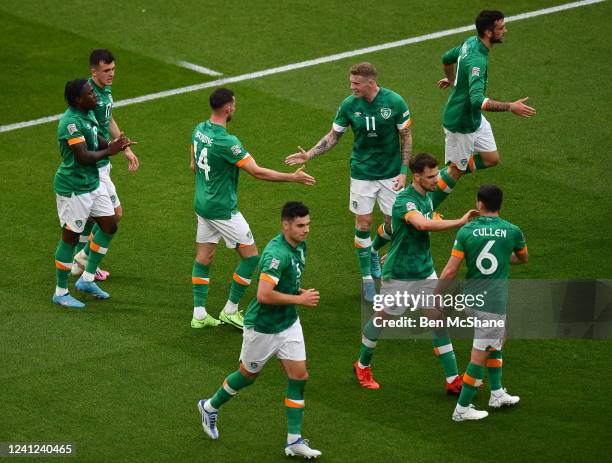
(486, 255)
(202, 159)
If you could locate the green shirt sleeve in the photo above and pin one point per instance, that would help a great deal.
(451, 56)
(476, 78)
(341, 121)
(234, 152)
(271, 267)
(520, 246)
(459, 245)
(402, 113)
(71, 131)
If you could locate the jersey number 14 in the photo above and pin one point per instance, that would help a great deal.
(202, 159)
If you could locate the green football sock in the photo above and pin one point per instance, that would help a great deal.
(445, 186)
(363, 246)
(494, 366)
(369, 338)
(98, 247)
(63, 263)
(294, 405)
(84, 237)
(200, 281)
(472, 379)
(242, 278)
(232, 384)
(443, 348)
(95, 229)
(383, 236)
(475, 163)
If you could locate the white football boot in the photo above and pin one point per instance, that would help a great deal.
(501, 398)
(301, 448)
(468, 413)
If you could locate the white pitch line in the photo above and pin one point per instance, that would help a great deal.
(198, 68)
(305, 64)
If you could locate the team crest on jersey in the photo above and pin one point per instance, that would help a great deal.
(236, 149)
(476, 71)
(274, 263)
(410, 206)
(385, 113)
(72, 128)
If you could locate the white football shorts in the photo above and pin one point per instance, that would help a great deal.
(458, 147)
(105, 180)
(365, 193)
(235, 231)
(74, 210)
(258, 348)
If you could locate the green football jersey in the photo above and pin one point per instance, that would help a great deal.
(103, 112)
(72, 177)
(376, 148)
(282, 265)
(409, 257)
(486, 244)
(463, 110)
(218, 157)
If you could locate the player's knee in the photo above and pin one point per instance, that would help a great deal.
(363, 224)
(300, 375)
(109, 227)
(69, 237)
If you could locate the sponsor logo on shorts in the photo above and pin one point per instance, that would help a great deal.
(355, 204)
(72, 128)
(385, 113)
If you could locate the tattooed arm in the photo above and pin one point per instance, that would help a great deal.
(406, 151)
(323, 146)
(517, 107)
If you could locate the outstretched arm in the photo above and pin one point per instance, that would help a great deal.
(517, 107)
(420, 222)
(262, 173)
(323, 146)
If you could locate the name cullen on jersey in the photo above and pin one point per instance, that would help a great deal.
(500, 233)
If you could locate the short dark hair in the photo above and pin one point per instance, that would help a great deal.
(364, 69)
(485, 21)
(418, 163)
(100, 54)
(220, 97)
(73, 90)
(491, 196)
(294, 209)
